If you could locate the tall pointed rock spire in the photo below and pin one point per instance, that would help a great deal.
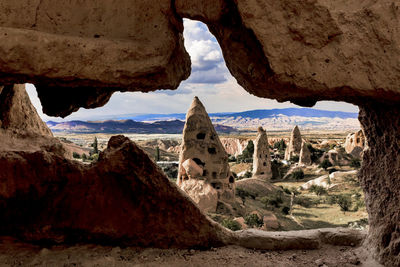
(261, 156)
(204, 172)
(294, 147)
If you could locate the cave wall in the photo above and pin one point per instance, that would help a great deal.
(78, 53)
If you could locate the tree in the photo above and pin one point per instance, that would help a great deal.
(253, 220)
(247, 154)
(157, 154)
(95, 146)
(84, 157)
(76, 155)
(344, 202)
(325, 164)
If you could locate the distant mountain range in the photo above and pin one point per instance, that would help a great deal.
(126, 126)
(271, 119)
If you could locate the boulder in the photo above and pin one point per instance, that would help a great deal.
(192, 170)
(270, 222)
(241, 221)
(202, 193)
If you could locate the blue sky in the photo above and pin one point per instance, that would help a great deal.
(210, 81)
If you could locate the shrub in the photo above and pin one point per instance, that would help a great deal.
(243, 194)
(298, 175)
(332, 170)
(247, 154)
(325, 164)
(294, 158)
(280, 145)
(344, 202)
(304, 202)
(355, 163)
(278, 169)
(285, 210)
(274, 200)
(76, 155)
(84, 157)
(94, 157)
(253, 220)
(231, 158)
(318, 190)
(231, 224)
(248, 174)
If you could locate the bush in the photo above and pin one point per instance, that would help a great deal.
(247, 174)
(76, 155)
(253, 220)
(231, 224)
(332, 170)
(325, 164)
(344, 202)
(298, 175)
(231, 158)
(94, 157)
(274, 200)
(243, 194)
(355, 163)
(318, 190)
(305, 202)
(294, 158)
(247, 154)
(84, 157)
(285, 210)
(280, 145)
(278, 169)
(315, 153)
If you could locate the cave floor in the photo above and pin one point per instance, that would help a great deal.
(14, 253)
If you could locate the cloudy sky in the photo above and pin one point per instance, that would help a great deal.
(210, 81)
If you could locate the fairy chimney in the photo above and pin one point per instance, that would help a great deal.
(294, 147)
(261, 156)
(203, 162)
(305, 155)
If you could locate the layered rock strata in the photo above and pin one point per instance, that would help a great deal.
(261, 156)
(203, 160)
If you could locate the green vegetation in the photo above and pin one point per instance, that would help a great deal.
(252, 220)
(247, 155)
(316, 154)
(76, 155)
(318, 190)
(273, 201)
(294, 158)
(157, 154)
(280, 145)
(243, 194)
(231, 224)
(84, 157)
(325, 164)
(278, 169)
(95, 147)
(298, 175)
(355, 163)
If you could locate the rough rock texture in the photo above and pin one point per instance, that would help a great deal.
(17, 115)
(234, 146)
(202, 147)
(261, 156)
(78, 53)
(304, 51)
(305, 155)
(355, 143)
(121, 198)
(294, 146)
(202, 193)
(379, 176)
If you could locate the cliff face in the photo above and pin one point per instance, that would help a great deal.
(78, 53)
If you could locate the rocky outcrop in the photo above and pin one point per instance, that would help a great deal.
(17, 115)
(261, 156)
(379, 177)
(294, 146)
(305, 155)
(129, 46)
(355, 143)
(234, 146)
(203, 158)
(120, 198)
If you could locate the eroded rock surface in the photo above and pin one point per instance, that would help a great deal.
(294, 146)
(355, 143)
(305, 155)
(78, 53)
(379, 177)
(121, 198)
(203, 158)
(261, 156)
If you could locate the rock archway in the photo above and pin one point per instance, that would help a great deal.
(78, 53)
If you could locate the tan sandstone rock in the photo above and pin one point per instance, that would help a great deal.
(270, 222)
(261, 156)
(305, 155)
(294, 146)
(355, 143)
(202, 193)
(204, 156)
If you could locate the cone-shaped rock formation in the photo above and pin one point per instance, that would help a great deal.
(294, 147)
(261, 156)
(305, 155)
(203, 160)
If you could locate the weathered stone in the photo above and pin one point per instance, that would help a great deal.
(202, 193)
(305, 155)
(78, 53)
(121, 198)
(294, 146)
(355, 143)
(192, 170)
(202, 147)
(261, 156)
(234, 146)
(242, 222)
(270, 222)
(379, 177)
(17, 115)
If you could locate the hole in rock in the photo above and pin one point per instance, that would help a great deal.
(212, 150)
(201, 136)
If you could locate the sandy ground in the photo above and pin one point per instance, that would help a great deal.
(14, 253)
